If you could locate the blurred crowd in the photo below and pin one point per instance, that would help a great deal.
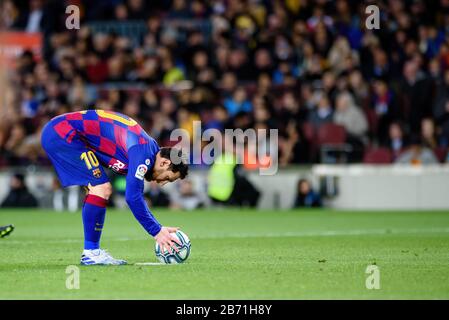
(292, 65)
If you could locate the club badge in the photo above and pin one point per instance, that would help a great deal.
(96, 173)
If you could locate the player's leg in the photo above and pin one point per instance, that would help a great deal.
(75, 164)
(94, 212)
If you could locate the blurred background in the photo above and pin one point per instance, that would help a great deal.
(363, 115)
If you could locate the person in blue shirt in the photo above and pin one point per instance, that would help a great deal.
(306, 197)
(238, 102)
(81, 144)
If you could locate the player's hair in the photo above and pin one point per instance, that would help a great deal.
(178, 162)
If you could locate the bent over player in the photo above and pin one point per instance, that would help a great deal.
(80, 144)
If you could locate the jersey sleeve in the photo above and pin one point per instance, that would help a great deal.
(140, 161)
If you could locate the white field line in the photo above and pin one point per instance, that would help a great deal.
(316, 233)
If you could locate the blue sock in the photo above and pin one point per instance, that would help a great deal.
(94, 211)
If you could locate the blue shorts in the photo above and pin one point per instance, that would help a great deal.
(74, 162)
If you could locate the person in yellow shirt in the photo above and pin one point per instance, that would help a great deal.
(227, 185)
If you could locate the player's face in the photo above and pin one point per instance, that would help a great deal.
(162, 172)
(165, 176)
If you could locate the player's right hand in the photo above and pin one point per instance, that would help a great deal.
(166, 240)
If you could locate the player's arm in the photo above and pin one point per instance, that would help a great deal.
(137, 204)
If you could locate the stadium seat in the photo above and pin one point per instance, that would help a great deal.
(440, 153)
(378, 156)
(331, 133)
(309, 131)
(331, 141)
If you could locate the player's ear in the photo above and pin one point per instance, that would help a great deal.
(165, 162)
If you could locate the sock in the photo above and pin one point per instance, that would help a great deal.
(94, 211)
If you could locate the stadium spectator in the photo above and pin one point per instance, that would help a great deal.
(350, 116)
(417, 154)
(228, 185)
(186, 197)
(396, 141)
(441, 108)
(14, 146)
(9, 14)
(339, 53)
(359, 88)
(156, 196)
(238, 102)
(19, 195)
(415, 95)
(232, 54)
(323, 112)
(428, 134)
(306, 196)
(385, 106)
(32, 20)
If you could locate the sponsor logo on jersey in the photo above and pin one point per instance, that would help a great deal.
(140, 172)
(117, 166)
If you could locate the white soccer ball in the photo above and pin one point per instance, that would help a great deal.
(175, 257)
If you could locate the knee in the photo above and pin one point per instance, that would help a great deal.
(103, 190)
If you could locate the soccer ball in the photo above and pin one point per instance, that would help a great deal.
(176, 257)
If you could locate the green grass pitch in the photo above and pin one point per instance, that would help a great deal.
(236, 254)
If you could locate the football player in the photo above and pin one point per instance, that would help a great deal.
(80, 144)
